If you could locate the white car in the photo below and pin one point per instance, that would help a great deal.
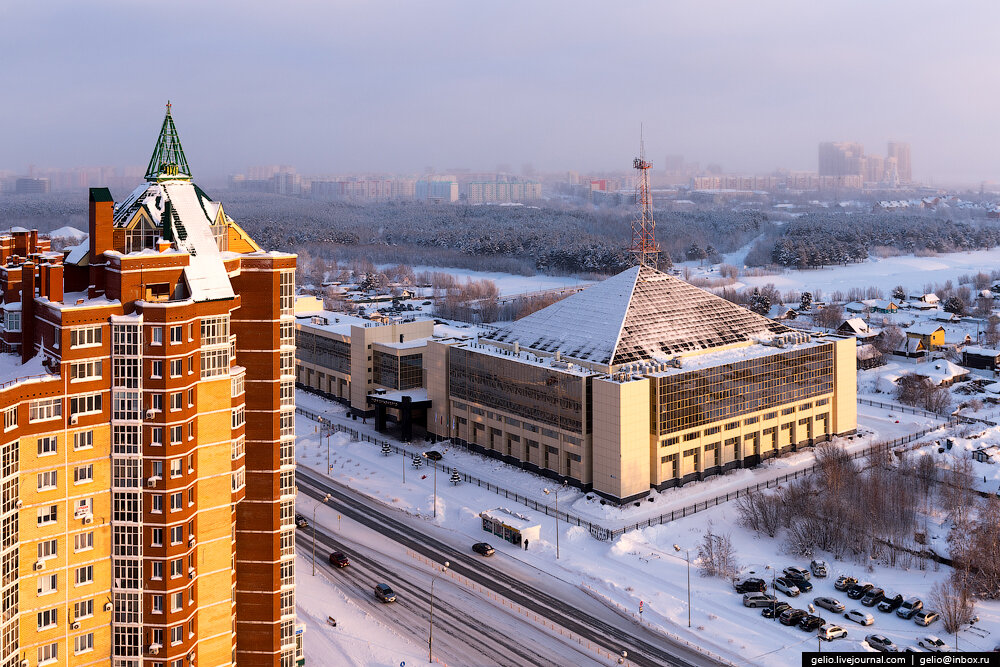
(934, 643)
(829, 632)
(858, 616)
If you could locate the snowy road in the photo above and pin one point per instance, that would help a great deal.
(558, 602)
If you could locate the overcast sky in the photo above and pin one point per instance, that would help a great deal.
(337, 87)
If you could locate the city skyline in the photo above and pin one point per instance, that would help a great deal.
(483, 86)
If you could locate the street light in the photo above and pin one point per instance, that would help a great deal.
(555, 494)
(622, 660)
(430, 632)
(315, 507)
(434, 465)
(687, 553)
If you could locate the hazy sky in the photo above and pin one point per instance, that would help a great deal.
(334, 87)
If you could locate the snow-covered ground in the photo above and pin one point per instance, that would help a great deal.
(508, 283)
(71, 233)
(641, 564)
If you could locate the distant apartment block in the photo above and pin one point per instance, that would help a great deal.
(31, 186)
(438, 189)
(901, 152)
(363, 190)
(503, 192)
(847, 161)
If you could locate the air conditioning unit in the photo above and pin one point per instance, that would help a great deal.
(75, 625)
(150, 413)
(154, 649)
(73, 419)
(18, 504)
(39, 565)
(191, 656)
(151, 482)
(191, 541)
(108, 606)
(25, 663)
(88, 518)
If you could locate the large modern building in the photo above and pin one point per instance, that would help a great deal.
(147, 475)
(639, 382)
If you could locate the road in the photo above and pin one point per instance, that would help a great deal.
(558, 601)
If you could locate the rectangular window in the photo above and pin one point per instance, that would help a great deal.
(286, 291)
(806, 406)
(157, 604)
(84, 575)
(176, 634)
(176, 467)
(44, 408)
(156, 435)
(691, 436)
(84, 609)
(48, 549)
(156, 537)
(177, 601)
(157, 507)
(157, 335)
(83, 440)
(176, 434)
(85, 370)
(48, 653)
(83, 643)
(47, 618)
(156, 368)
(12, 320)
(176, 534)
(156, 402)
(83, 541)
(750, 420)
(771, 415)
(788, 411)
(157, 570)
(85, 404)
(47, 515)
(176, 501)
(731, 425)
(47, 480)
(176, 401)
(712, 430)
(83, 474)
(85, 336)
(176, 568)
(214, 362)
(191, 397)
(47, 445)
(9, 418)
(176, 334)
(822, 401)
(239, 417)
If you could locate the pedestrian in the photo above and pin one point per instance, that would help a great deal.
(526, 545)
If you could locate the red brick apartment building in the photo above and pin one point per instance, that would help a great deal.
(147, 482)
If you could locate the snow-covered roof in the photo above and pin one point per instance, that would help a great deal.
(640, 314)
(67, 233)
(924, 328)
(982, 351)
(77, 253)
(855, 324)
(855, 306)
(206, 275)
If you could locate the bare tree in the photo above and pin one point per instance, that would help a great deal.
(954, 602)
(829, 317)
(717, 556)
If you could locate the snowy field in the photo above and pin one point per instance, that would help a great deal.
(642, 564)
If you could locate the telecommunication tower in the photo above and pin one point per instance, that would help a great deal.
(644, 245)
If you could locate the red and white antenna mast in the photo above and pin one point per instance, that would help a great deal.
(644, 245)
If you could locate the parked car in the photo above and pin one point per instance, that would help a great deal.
(384, 593)
(482, 548)
(833, 604)
(433, 455)
(775, 609)
(339, 559)
(881, 643)
(300, 521)
(872, 597)
(803, 585)
(751, 585)
(925, 617)
(819, 568)
(890, 602)
(909, 607)
(913, 649)
(933, 643)
(811, 622)
(426, 303)
(829, 632)
(796, 572)
(861, 617)
(858, 590)
(844, 582)
(792, 616)
(754, 600)
(786, 586)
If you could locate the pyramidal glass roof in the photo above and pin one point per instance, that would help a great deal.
(168, 160)
(640, 314)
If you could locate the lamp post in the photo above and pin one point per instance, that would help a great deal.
(434, 465)
(315, 507)
(687, 553)
(555, 494)
(624, 659)
(430, 632)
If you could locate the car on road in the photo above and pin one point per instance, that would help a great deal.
(433, 455)
(300, 521)
(890, 602)
(775, 609)
(858, 590)
(482, 548)
(339, 559)
(909, 608)
(833, 604)
(754, 600)
(384, 593)
(751, 585)
(819, 568)
(796, 572)
(861, 617)
(881, 643)
(792, 616)
(804, 585)
(426, 303)
(786, 586)
(925, 617)
(811, 622)
(934, 643)
(872, 597)
(844, 582)
(829, 632)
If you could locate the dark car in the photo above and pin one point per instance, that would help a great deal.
(433, 455)
(872, 597)
(384, 593)
(792, 616)
(858, 591)
(300, 521)
(890, 603)
(803, 585)
(339, 559)
(909, 607)
(844, 582)
(751, 585)
(811, 622)
(482, 548)
(775, 610)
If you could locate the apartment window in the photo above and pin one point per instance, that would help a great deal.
(48, 653)
(85, 370)
(156, 370)
(191, 397)
(176, 434)
(83, 643)
(788, 411)
(287, 393)
(238, 381)
(83, 507)
(190, 364)
(176, 634)
(176, 501)
(47, 515)
(84, 575)
(176, 401)
(239, 447)
(238, 417)
(176, 467)
(85, 336)
(156, 435)
(286, 292)
(157, 506)
(157, 601)
(191, 496)
(691, 436)
(214, 362)
(83, 474)
(83, 541)
(157, 335)
(83, 440)
(287, 362)
(47, 446)
(44, 408)
(156, 537)
(48, 618)
(190, 462)
(10, 418)
(822, 401)
(156, 469)
(176, 568)
(157, 570)
(806, 406)
(48, 549)
(156, 402)
(750, 420)
(177, 601)
(176, 534)
(84, 609)
(287, 333)
(12, 320)
(85, 404)
(48, 583)
(47, 480)
(176, 334)
(190, 429)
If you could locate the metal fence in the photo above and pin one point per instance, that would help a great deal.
(924, 413)
(602, 532)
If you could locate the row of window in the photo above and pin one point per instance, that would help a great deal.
(49, 583)
(50, 548)
(176, 567)
(712, 430)
(176, 501)
(49, 479)
(49, 653)
(176, 467)
(82, 507)
(176, 534)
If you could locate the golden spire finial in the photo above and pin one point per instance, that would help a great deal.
(168, 107)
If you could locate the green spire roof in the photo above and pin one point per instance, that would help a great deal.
(168, 161)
